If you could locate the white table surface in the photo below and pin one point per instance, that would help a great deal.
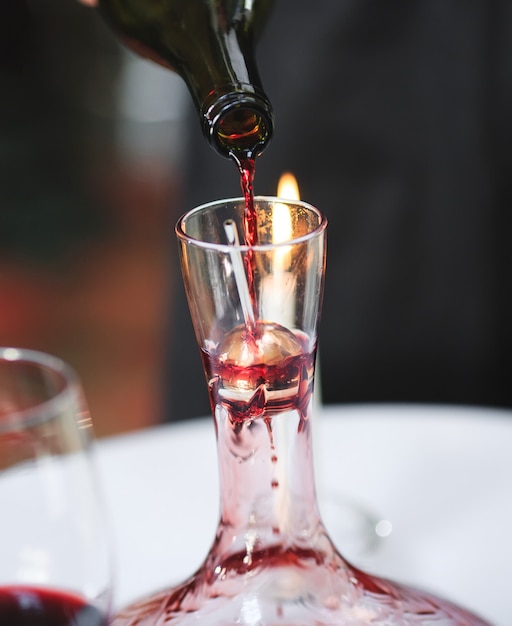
(440, 476)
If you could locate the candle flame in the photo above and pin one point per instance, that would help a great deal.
(287, 187)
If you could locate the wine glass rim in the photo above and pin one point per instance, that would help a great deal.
(45, 409)
(225, 247)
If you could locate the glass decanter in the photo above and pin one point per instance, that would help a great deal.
(255, 312)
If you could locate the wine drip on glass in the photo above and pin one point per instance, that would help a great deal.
(272, 561)
(55, 563)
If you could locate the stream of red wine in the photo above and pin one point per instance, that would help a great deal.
(247, 168)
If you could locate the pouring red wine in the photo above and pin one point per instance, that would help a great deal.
(209, 43)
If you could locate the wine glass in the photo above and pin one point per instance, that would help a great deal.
(55, 560)
(255, 311)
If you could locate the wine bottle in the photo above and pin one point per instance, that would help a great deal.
(210, 44)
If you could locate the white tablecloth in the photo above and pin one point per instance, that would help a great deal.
(437, 479)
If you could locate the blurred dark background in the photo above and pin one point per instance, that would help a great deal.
(395, 119)
(90, 148)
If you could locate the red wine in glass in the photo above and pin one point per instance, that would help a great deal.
(33, 606)
(260, 373)
(54, 555)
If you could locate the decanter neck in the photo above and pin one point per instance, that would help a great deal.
(267, 482)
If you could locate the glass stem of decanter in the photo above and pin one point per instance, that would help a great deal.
(267, 486)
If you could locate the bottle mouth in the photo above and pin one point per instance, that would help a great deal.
(238, 124)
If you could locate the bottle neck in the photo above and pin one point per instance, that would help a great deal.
(267, 485)
(210, 45)
(224, 82)
(237, 121)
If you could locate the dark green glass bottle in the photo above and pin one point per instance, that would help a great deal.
(210, 44)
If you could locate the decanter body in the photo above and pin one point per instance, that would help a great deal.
(272, 561)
